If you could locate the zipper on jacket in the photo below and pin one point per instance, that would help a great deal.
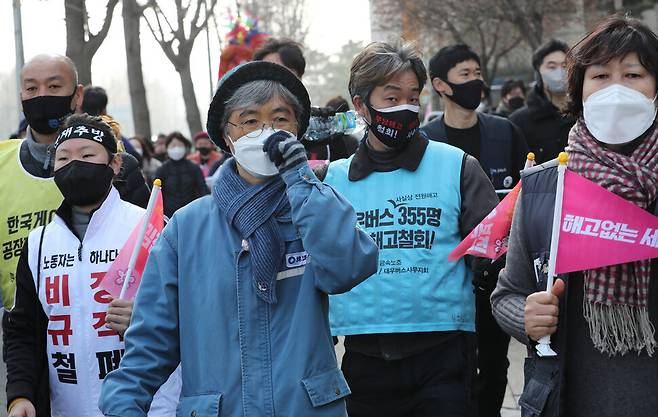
(80, 252)
(46, 163)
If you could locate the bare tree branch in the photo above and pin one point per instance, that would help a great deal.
(96, 40)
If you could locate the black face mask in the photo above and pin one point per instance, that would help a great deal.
(84, 183)
(515, 103)
(468, 94)
(396, 126)
(44, 114)
(204, 151)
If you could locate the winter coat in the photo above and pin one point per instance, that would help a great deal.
(243, 357)
(182, 183)
(58, 348)
(544, 127)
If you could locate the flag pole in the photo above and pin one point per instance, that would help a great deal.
(529, 160)
(544, 344)
(140, 238)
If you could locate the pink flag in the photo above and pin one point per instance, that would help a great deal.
(113, 280)
(599, 228)
(489, 238)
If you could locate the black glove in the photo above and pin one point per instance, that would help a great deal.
(285, 151)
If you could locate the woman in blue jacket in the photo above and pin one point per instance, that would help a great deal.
(236, 288)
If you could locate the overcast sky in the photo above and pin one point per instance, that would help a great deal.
(44, 31)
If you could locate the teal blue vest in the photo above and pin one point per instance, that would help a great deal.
(414, 218)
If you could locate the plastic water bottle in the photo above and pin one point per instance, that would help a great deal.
(322, 128)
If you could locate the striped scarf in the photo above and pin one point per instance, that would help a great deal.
(616, 297)
(252, 209)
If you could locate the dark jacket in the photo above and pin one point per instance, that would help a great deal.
(544, 127)
(131, 183)
(182, 183)
(502, 147)
(562, 386)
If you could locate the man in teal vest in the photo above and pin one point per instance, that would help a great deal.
(410, 348)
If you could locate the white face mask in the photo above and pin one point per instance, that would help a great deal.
(248, 152)
(618, 114)
(555, 80)
(176, 153)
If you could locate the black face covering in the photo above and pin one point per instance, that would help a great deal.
(515, 103)
(394, 127)
(84, 183)
(204, 151)
(44, 114)
(468, 94)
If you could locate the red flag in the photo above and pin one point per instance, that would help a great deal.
(489, 238)
(115, 276)
(599, 228)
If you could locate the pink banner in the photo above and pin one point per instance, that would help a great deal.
(113, 280)
(489, 238)
(600, 228)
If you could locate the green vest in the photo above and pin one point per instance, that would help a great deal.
(26, 202)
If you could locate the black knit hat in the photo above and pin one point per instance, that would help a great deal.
(243, 74)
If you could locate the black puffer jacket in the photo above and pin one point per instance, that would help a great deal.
(182, 183)
(544, 127)
(130, 182)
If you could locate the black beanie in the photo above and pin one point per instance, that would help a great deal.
(246, 73)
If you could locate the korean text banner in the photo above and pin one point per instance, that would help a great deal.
(600, 228)
(113, 280)
(489, 239)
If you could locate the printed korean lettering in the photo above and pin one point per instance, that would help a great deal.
(386, 215)
(390, 239)
(100, 324)
(368, 219)
(108, 361)
(103, 256)
(12, 248)
(57, 289)
(42, 218)
(572, 224)
(66, 133)
(81, 130)
(98, 134)
(100, 295)
(618, 231)
(650, 238)
(62, 260)
(26, 221)
(12, 224)
(65, 332)
(150, 237)
(64, 364)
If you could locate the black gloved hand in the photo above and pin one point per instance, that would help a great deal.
(285, 151)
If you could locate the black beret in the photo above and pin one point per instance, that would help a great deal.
(243, 74)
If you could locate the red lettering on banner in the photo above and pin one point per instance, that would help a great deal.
(64, 332)
(101, 296)
(100, 323)
(54, 290)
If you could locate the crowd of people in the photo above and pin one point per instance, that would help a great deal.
(267, 258)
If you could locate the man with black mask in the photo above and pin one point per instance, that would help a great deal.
(49, 93)
(410, 342)
(501, 150)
